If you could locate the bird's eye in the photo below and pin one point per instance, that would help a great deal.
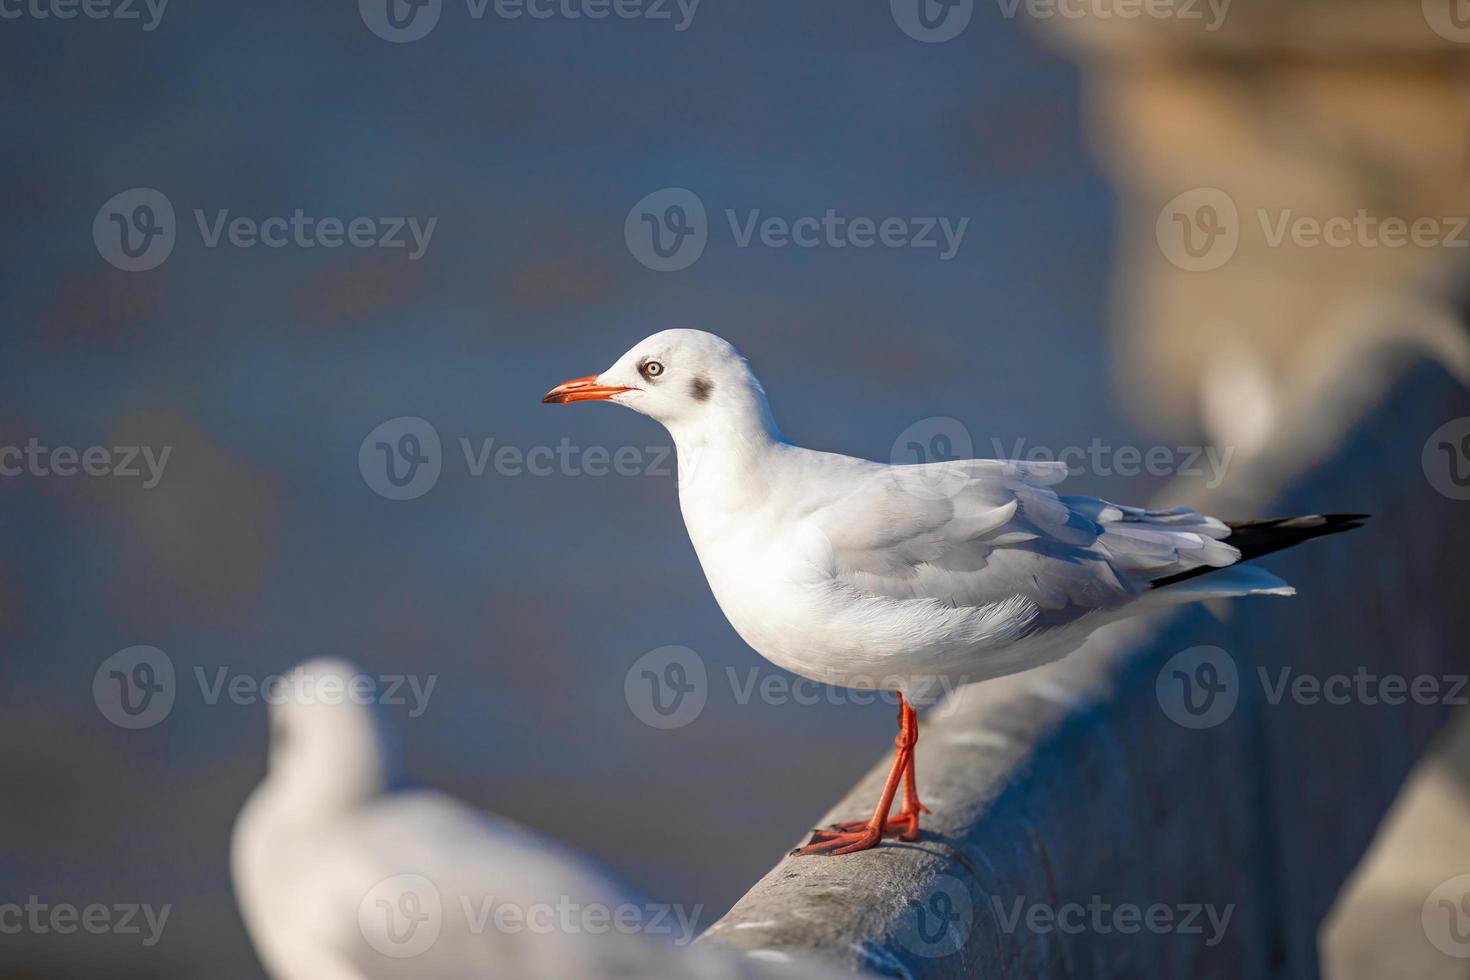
(651, 369)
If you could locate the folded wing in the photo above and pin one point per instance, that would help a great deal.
(979, 532)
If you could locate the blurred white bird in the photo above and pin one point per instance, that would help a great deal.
(912, 578)
(341, 875)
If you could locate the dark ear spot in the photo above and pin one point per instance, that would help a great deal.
(700, 388)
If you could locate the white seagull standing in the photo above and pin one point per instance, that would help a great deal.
(342, 874)
(905, 578)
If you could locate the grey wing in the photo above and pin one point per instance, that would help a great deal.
(980, 532)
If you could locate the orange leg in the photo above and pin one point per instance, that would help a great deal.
(859, 835)
(911, 808)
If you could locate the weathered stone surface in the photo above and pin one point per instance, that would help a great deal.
(1070, 787)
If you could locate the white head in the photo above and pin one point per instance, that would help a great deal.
(693, 382)
(329, 749)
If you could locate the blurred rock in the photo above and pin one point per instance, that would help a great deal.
(1285, 126)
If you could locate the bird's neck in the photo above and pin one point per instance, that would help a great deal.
(739, 421)
(724, 472)
(741, 431)
(724, 453)
(314, 786)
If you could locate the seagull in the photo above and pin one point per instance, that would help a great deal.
(342, 873)
(911, 579)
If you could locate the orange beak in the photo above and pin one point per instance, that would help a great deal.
(580, 390)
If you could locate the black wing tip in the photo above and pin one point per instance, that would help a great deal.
(1343, 522)
(1311, 524)
(1264, 537)
(1275, 533)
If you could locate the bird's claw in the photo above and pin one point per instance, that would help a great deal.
(904, 826)
(847, 836)
(835, 843)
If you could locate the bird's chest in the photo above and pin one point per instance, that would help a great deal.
(754, 564)
(736, 552)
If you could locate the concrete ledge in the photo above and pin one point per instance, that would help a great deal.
(1071, 790)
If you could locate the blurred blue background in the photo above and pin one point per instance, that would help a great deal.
(528, 597)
